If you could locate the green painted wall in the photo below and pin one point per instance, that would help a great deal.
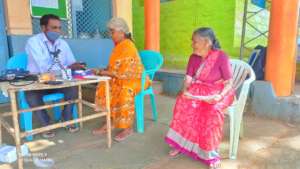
(179, 18)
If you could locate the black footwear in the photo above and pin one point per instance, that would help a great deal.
(72, 129)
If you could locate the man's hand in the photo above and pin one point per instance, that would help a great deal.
(95, 71)
(77, 66)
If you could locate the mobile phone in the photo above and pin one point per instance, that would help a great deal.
(51, 82)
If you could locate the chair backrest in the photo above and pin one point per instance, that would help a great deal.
(152, 61)
(17, 61)
(241, 72)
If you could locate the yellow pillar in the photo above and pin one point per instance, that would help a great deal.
(18, 18)
(123, 9)
(281, 52)
(152, 24)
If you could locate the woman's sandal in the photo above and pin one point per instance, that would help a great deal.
(123, 135)
(99, 131)
(174, 153)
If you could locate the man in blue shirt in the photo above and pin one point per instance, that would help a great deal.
(41, 50)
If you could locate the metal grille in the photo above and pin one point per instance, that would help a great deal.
(254, 28)
(91, 21)
(87, 19)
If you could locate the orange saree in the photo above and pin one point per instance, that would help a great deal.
(127, 68)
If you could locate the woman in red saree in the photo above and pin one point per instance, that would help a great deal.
(197, 124)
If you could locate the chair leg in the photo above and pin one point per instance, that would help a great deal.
(26, 117)
(242, 129)
(27, 120)
(236, 134)
(57, 113)
(153, 105)
(21, 120)
(231, 130)
(22, 105)
(139, 110)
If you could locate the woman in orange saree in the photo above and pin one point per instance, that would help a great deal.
(125, 68)
(196, 127)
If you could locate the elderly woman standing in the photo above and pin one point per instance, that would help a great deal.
(196, 127)
(125, 68)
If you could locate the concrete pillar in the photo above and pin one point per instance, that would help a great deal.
(18, 18)
(123, 9)
(152, 24)
(281, 52)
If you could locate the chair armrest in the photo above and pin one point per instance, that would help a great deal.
(250, 80)
(242, 99)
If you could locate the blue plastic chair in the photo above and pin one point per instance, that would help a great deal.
(20, 61)
(152, 62)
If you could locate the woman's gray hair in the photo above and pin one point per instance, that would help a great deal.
(119, 24)
(206, 32)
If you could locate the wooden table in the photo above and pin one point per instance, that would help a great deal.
(15, 129)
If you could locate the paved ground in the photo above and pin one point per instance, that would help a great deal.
(268, 144)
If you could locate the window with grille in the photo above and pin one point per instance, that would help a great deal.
(86, 19)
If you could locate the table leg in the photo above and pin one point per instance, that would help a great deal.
(108, 118)
(80, 104)
(13, 102)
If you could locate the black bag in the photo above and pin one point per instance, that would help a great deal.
(257, 61)
(16, 75)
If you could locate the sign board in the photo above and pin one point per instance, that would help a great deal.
(42, 7)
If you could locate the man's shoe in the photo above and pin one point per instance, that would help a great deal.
(72, 129)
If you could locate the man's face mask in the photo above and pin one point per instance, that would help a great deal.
(53, 29)
(52, 36)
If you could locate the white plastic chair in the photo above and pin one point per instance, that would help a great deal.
(243, 76)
